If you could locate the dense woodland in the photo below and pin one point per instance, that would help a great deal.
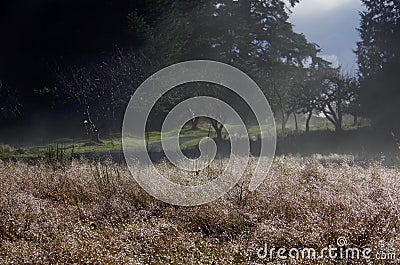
(66, 62)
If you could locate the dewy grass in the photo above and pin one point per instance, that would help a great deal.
(87, 213)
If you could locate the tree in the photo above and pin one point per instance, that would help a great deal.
(378, 56)
(339, 91)
(179, 31)
(254, 36)
(294, 82)
(304, 99)
(283, 81)
(9, 103)
(101, 91)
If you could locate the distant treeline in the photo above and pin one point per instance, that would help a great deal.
(81, 61)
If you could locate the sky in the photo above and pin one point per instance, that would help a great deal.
(332, 25)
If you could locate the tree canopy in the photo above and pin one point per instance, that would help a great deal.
(91, 68)
(378, 56)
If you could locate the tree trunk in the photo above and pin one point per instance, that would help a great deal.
(338, 127)
(308, 121)
(194, 122)
(295, 122)
(355, 119)
(217, 127)
(285, 119)
(147, 134)
(96, 136)
(219, 133)
(334, 117)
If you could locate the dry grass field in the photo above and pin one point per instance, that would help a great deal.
(88, 213)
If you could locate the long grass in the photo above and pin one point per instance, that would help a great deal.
(88, 213)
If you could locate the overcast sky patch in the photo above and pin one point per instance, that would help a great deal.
(332, 25)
